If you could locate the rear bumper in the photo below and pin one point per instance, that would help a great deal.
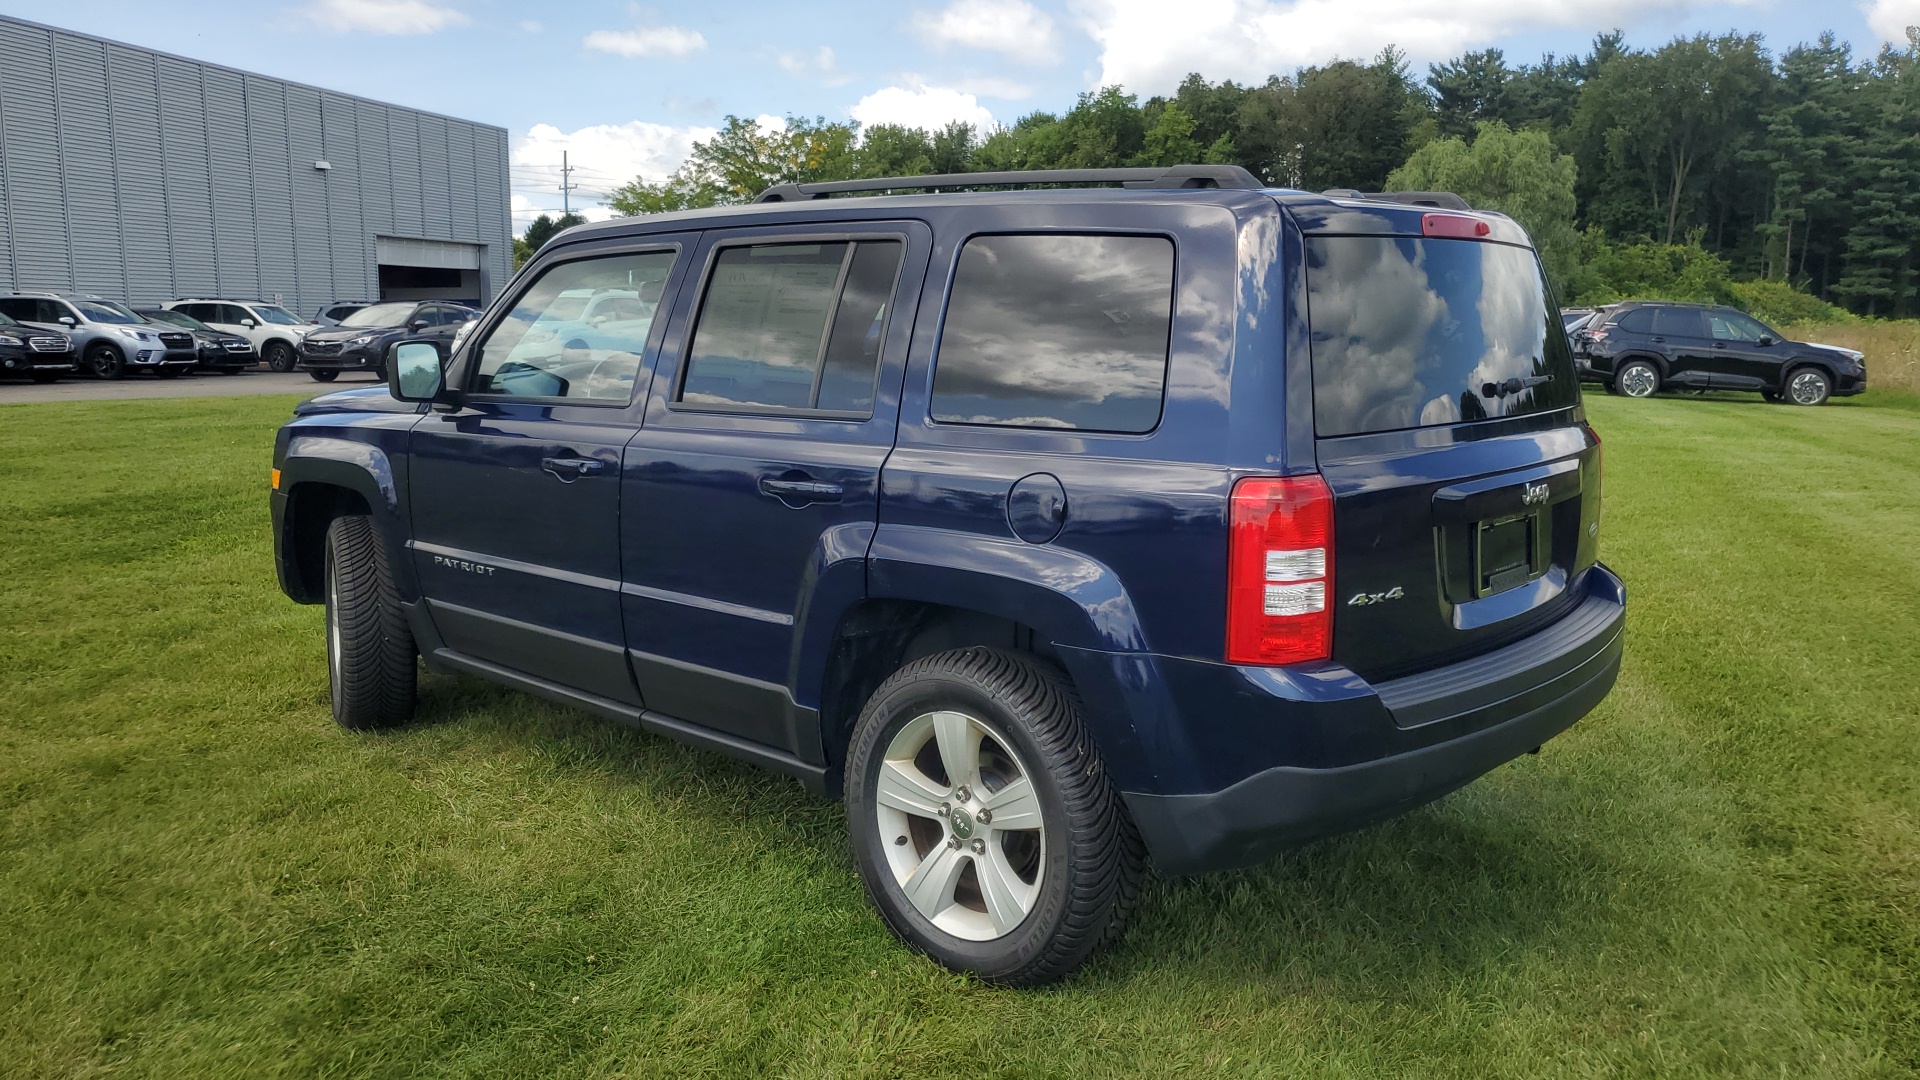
(1485, 711)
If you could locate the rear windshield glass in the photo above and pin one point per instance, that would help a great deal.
(1417, 333)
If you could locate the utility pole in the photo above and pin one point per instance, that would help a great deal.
(566, 185)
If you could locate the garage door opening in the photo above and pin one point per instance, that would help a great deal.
(414, 269)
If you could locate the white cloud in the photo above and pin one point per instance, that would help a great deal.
(1148, 45)
(647, 41)
(821, 65)
(383, 16)
(1012, 27)
(531, 26)
(927, 107)
(1890, 18)
(603, 156)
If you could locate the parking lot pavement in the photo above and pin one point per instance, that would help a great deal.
(242, 384)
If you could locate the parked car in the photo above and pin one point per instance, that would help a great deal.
(227, 353)
(360, 342)
(331, 314)
(1571, 317)
(108, 337)
(273, 330)
(1637, 348)
(1038, 525)
(40, 355)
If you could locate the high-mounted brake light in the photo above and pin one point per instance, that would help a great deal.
(1280, 570)
(1453, 226)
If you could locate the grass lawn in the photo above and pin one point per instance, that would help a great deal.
(1715, 874)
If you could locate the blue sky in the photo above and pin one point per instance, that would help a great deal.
(626, 87)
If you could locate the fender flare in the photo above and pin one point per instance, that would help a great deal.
(358, 467)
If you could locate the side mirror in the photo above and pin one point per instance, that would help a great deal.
(248, 323)
(413, 371)
(417, 325)
(1765, 340)
(66, 320)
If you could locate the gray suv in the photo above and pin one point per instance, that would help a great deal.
(109, 338)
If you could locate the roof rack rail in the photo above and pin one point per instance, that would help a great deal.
(1439, 200)
(1177, 176)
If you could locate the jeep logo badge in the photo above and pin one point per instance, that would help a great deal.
(1534, 494)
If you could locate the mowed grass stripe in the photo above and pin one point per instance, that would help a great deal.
(1711, 876)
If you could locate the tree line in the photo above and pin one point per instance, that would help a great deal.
(1707, 167)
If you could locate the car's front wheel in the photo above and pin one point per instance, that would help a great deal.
(982, 822)
(1637, 379)
(1808, 386)
(278, 355)
(106, 362)
(323, 376)
(370, 649)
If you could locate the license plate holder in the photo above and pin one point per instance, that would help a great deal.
(1506, 553)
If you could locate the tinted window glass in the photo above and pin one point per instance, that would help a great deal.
(543, 348)
(1637, 321)
(1415, 333)
(19, 309)
(763, 339)
(1677, 322)
(236, 314)
(1057, 331)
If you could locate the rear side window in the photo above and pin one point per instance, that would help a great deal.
(793, 327)
(1058, 331)
(1679, 322)
(1637, 321)
(1412, 333)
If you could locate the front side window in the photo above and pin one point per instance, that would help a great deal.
(793, 327)
(1733, 326)
(235, 314)
(548, 346)
(1059, 331)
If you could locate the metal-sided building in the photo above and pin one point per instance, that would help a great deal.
(144, 177)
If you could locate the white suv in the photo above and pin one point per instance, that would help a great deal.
(274, 331)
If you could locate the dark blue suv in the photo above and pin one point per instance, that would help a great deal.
(1055, 529)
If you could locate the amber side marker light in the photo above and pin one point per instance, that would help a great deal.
(276, 479)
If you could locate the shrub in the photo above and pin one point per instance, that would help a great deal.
(1778, 303)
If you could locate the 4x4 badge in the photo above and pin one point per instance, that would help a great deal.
(1362, 599)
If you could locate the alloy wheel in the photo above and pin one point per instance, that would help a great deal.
(1807, 388)
(1638, 381)
(961, 825)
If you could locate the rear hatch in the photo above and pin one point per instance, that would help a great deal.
(1448, 426)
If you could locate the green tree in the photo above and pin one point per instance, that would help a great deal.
(543, 229)
(742, 160)
(1804, 154)
(1884, 204)
(1169, 141)
(1517, 173)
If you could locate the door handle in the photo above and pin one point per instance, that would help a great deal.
(800, 491)
(568, 469)
(1661, 340)
(1719, 344)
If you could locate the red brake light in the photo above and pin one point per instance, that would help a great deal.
(1280, 570)
(1454, 226)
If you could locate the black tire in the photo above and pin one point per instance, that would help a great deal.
(1637, 379)
(44, 376)
(1086, 862)
(279, 356)
(106, 362)
(1772, 396)
(323, 376)
(1807, 386)
(167, 373)
(370, 650)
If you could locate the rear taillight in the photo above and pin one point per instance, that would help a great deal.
(1595, 335)
(1280, 571)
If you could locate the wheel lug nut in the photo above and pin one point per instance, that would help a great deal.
(963, 794)
(946, 810)
(979, 846)
(954, 843)
(984, 817)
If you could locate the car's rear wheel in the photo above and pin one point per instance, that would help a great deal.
(370, 649)
(323, 376)
(1808, 386)
(106, 362)
(278, 355)
(982, 823)
(1637, 379)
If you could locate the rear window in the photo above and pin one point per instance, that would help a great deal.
(1057, 331)
(1412, 333)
